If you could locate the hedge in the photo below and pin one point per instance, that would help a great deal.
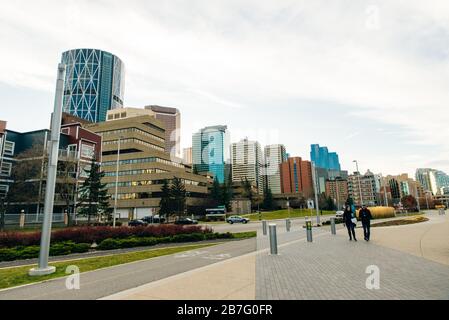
(59, 249)
(97, 234)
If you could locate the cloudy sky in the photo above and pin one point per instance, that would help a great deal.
(369, 79)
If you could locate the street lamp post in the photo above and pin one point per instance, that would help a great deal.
(360, 184)
(116, 182)
(43, 267)
(315, 188)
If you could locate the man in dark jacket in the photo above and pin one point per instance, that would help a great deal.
(365, 216)
(347, 218)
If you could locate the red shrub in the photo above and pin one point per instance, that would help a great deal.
(97, 234)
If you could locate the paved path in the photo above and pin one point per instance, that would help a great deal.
(333, 268)
(104, 282)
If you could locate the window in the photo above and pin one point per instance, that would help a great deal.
(87, 151)
(3, 190)
(6, 169)
(9, 148)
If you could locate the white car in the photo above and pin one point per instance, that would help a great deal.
(339, 214)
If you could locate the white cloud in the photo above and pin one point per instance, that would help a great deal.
(210, 55)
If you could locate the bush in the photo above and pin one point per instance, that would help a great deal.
(98, 234)
(9, 254)
(109, 244)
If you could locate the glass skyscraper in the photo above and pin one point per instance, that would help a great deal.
(210, 151)
(324, 159)
(94, 83)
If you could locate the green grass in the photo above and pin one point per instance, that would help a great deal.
(283, 214)
(245, 235)
(11, 277)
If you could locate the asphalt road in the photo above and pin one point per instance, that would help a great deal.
(105, 282)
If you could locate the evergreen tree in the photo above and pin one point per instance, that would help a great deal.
(178, 194)
(93, 196)
(216, 193)
(166, 200)
(226, 195)
(268, 199)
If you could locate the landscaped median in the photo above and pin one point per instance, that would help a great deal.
(19, 246)
(16, 276)
(284, 214)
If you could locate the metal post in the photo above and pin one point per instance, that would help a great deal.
(116, 181)
(264, 227)
(315, 188)
(273, 239)
(43, 267)
(333, 229)
(288, 224)
(309, 230)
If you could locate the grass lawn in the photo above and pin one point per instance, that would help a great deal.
(245, 235)
(11, 277)
(283, 214)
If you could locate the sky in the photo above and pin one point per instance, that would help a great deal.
(368, 79)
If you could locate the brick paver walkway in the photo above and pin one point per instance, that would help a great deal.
(333, 268)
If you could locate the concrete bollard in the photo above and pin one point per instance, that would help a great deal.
(288, 224)
(22, 219)
(309, 230)
(333, 229)
(273, 240)
(264, 227)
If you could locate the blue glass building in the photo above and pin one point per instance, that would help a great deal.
(94, 83)
(210, 149)
(323, 158)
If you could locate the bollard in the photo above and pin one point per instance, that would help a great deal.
(288, 224)
(273, 240)
(22, 219)
(333, 230)
(264, 227)
(309, 230)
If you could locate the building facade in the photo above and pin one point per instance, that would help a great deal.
(337, 190)
(274, 155)
(296, 177)
(187, 156)
(210, 151)
(171, 117)
(402, 185)
(246, 163)
(144, 165)
(322, 158)
(94, 83)
(363, 189)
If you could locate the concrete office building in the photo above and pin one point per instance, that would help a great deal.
(187, 156)
(296, 177)
(246, 163)
(274, 155)
(144, 165)
(171, 118)
(94, 83)
(363, 189)
(210, 151)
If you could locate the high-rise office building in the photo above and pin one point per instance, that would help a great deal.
(187, 156)
(432, 180)
(171, 117)
(210, 151)
(296, 177)
(94, 83)
(322, 158)
(246, 162)
(275, 154)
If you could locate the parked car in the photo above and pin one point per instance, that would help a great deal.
(153, 219)
(186, 221)
(339, 214)
(137, 223)
(237, 219)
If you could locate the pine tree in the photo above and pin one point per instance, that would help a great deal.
(166, 200)
(216, 193)
(93, 195)
(178, 194)
(268, 199)
(226, 195)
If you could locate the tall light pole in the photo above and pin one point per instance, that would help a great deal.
(116, 182)
(360, 184)
(315, 188)
(43, 267)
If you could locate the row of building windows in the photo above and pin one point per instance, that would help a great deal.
(153, 182)
(144, 160)
(134, 172)
(128, 130)
(133, 140)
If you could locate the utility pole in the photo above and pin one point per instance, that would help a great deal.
(315, 188)
(43, 267)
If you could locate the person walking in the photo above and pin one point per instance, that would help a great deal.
(365, 216)
(347, 219)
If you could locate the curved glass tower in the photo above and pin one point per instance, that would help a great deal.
(94, 83)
